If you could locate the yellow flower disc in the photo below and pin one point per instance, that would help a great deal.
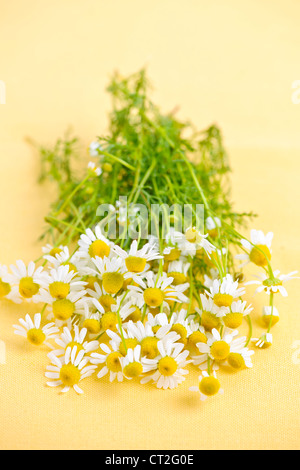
(220, 350)
(210, 320)
(134, 369)
(149, 347)
(92, 325)
(131, 343)
(259, 258)
(197, 337)
(113, 362)
(69, 375)
(4, 288)
(173, 255)
(223, 300)
(112, 282)
(99, 248)
(233, 320)
(236, 361)
(109, 321)
(167, 366)
(134, 264)
(36, 336)
(209, 386)
(153, 296)
(28, 288)
(59, 290)
(63, 309)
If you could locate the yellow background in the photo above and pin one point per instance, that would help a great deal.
(228, 62)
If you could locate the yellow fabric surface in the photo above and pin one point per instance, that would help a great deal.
(227, 62)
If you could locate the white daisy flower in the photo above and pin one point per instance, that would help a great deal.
(265, 341)
(29, 280)
(64, 309)
(62, 281)
(217, 348)
(238, 310)
(69, 370)
(224, 291)
(209, 385)
(259, 250)
(94, 243)
(158, 290)
(148, 337)
(195, 240)
(270, 315)
(105, 299)
(274, 285)
(132, 366)
(136, 260)
(94, 169)
(212, 225)
(94, 149)
(111, 360)
(210, 313)
(112, 273)
(32, 330)
(178, 270)
(168, 366)
(6, 290)
(77, 337)
(239, 356)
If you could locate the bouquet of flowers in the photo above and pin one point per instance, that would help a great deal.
(141, 275)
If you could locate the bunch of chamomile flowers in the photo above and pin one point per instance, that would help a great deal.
(143, 313)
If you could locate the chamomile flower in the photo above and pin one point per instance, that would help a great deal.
(122, 341)
(270, 315)
(177, 322)
(94, 149)
(195, 240)
(148, 337)
(212, 225)
(69, 370)
(136, 260)
(210, 314)
(104, 299)
(94, 169)
(6, 290)
(34, 332)
(63, 258)
(29, 280)
(273, 285)
(112, 273)
(259, 250)
(178, 270)
(168, 367)
(158, 291)
(111, 361)
(131, 364)
(240, 357)
(238, 309)
(94, 243)
(75, 337)
(64, 309)
(217, 347)
(224, 291)
(265, 341)
(209, 385)
(62, 281)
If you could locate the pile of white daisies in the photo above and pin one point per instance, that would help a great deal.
(135, 314)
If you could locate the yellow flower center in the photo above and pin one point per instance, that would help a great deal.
(135, 264)
(4, 288)
(149, 347)
(91, 280)
(107, 167)
(180, 330)
(173, 255)
(55, 251)
(220, 350)
(236, 361)
(69, 375)
(233, 320)
(92, 325)
(59, 290)
(191, 235)
(259, 255)
(197, 337)
(213, 233)
(109, 321)
(153, 296)
(36, 336)
(135, 316)
(113, 362)
(107, 301)
(71, 266)
(28, 288)
(223, 300)
(72, 344)
(167, 366)
(99, 248)
(178, 278)
(131, 343)
(269, 319)
(134, 369)
(155, 328)
(63, 309)
(112, 282)
(210, 320)
(209, 386)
